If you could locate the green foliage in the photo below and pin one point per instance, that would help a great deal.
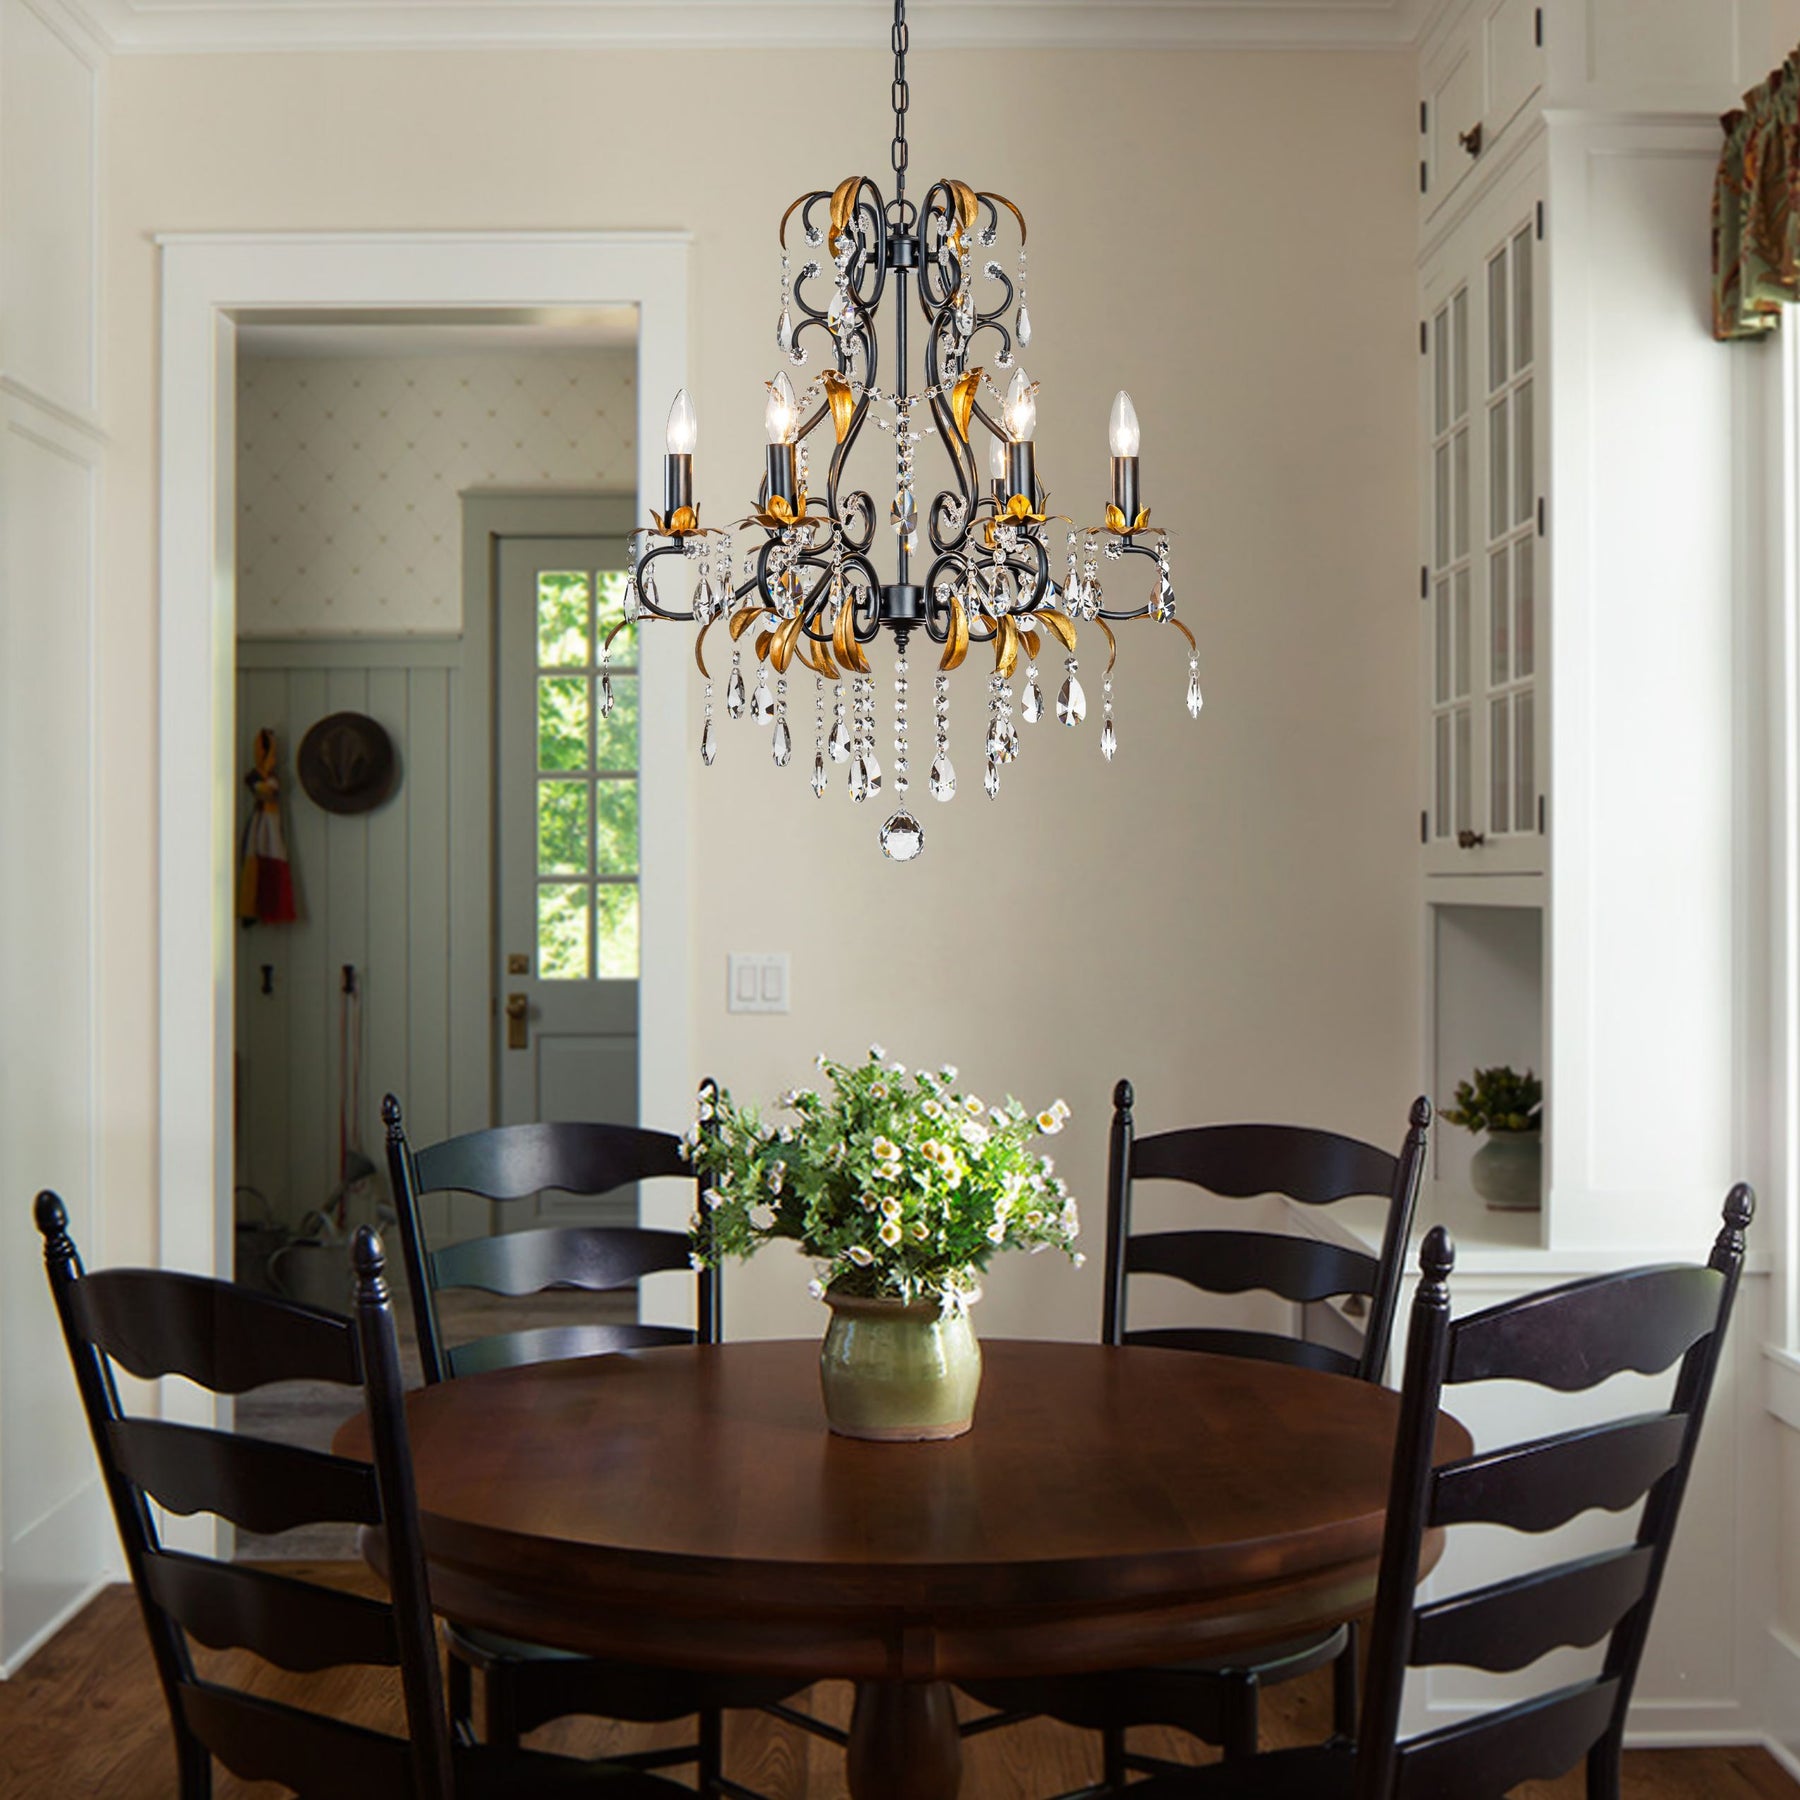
(1498, 1099)
(562, 619)
(897, 1184)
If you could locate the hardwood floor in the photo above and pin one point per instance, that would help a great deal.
(84, 1720)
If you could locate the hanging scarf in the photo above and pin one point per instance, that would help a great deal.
(265, 894)
(1756, 209)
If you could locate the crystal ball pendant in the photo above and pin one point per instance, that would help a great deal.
(902, 836)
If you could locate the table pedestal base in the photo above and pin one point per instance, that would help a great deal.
(903, 1742)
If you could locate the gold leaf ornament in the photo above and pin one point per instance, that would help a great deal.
(1060, 624)
(843, 404)
(962, 400)
(1115, 520)
(956, 640)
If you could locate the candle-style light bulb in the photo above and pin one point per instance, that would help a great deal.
(1020, 408)
(1122, 428)
(684, 429)
(781, 413)
(997, 458)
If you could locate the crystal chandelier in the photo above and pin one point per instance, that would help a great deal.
(808, 590)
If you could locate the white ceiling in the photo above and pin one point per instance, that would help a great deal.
(210, 25)
(438, 334)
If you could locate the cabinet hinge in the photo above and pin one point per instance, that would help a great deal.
(1538, 28)
(1540, 815)
(1424, 582)
(1424, 833)
(1423, 340)
(1423, 125)
(1540, 221)
(1424, 178)
(1540, 511)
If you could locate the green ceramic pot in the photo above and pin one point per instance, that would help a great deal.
(898, 1371)
(1508, 1171)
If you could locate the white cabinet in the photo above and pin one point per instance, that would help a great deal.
(1482, 65)
(1482, 565)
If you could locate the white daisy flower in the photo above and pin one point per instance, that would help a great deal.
(713, 1199)
(932, 1109)
(890, 1206)
(973, 1106)
(948, 1071)
(884, 1149)
(1060, 1106)
(877, 1054)
(777, 1174)
(816, 1289)
(890, 1232)
(897, 1069)
(997, 1232)
(1049, 1123)
(878, 1090)
(860, 1256)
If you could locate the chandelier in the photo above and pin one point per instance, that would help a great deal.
(808, 590)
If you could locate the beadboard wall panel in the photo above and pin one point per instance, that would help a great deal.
(375, 890)
(351, 468)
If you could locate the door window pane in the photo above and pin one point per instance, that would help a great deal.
(1522, 299)
(562, 621)
(1524, 455)
(1440, 371)
(562, 722)
(1460, 493)
(1525, 764)
(1525, 605)
(1440, 506)
(1499, 615)
(616, 828)
(564, 827)
(1499, 470)
(1441, 645)
(1464, 769)
(1459, 354)
(1499, 766)
(563, 931)
(1496, 299)
(1464, 633)
(1440, 776)
(616, 945)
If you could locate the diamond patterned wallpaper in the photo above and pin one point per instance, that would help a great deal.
(349, 469)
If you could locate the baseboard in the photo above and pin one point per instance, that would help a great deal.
(51, 1626)
(1783, 1755)
(1781, 1699)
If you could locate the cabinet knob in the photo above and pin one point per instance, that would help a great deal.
(1470, 840)
(1471, 139)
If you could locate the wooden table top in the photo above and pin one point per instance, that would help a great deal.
(690, 1504)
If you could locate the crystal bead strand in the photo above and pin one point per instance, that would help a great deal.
(1194, 700)
(818, 772)
(784, 326)
(900, 765)
(1024, 320)
(783, 745)
(838, 745)
(1109, 739)
(1003, 734)
(942, 780)
(709, 743)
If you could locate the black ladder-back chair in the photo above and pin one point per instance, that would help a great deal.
(1217, 1701)
(1567, 1339)
(526, 1685)
(230, 1340)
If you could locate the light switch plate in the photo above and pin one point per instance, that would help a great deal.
(756, 981)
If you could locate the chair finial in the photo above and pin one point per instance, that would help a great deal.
(390, 1117)
(1421, 1113)
(53, 1221)
(370, 1261)
(1739, 1210)
(1437, 1255)
(1123, 1096)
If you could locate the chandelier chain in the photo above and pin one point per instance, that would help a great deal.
(901, 98)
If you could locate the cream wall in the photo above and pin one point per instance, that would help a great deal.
(1226, 913)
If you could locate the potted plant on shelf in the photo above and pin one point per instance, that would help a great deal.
(902, 1188)
(1507, 1171)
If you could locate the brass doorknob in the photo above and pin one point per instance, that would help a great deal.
(517, 1008)
(1470, 840)
(1471, 139)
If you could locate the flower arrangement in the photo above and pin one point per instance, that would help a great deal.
(898, 1184)
(1499, 1099)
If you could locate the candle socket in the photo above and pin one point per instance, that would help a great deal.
(781, 473)
(1021, 470)
(1125, 487)
(678, 482)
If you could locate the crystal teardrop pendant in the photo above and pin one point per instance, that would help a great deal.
(1164, 608)
(1071, 703)
(709, 743)
(837, 745)
(630, 602)
(942, 779)
(1031, 705)
(734, 693)
(606, 694)
(1194, 701)
(902, 836)
(762, 702)
(1109, 741)
(872, 769)
(819, 777)
(859, 779)
(784, 330)
(1002, 740)
(783, 746)
(646, 594)
(991, 781)
(1024, 332)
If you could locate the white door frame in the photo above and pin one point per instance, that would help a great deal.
(210, 281)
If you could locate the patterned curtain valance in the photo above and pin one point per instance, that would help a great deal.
(1756, 209)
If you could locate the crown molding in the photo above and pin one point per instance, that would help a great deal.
(178, 27)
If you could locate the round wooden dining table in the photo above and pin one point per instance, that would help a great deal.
(1110, 1508)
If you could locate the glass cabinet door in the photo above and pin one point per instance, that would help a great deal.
(1451, 573)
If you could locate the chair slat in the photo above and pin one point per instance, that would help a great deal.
(293, 1624)
(262, 1740)
(1574, 1337)
(552, 1343)
(1263, 1346)
(227, 1339)
(1313, 1167)
(527, 1262)
(261, 1486)
(513, 1161)
(1489, 1756)
(1511, 1624)
(1543, 1484)
(1235, 1262)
